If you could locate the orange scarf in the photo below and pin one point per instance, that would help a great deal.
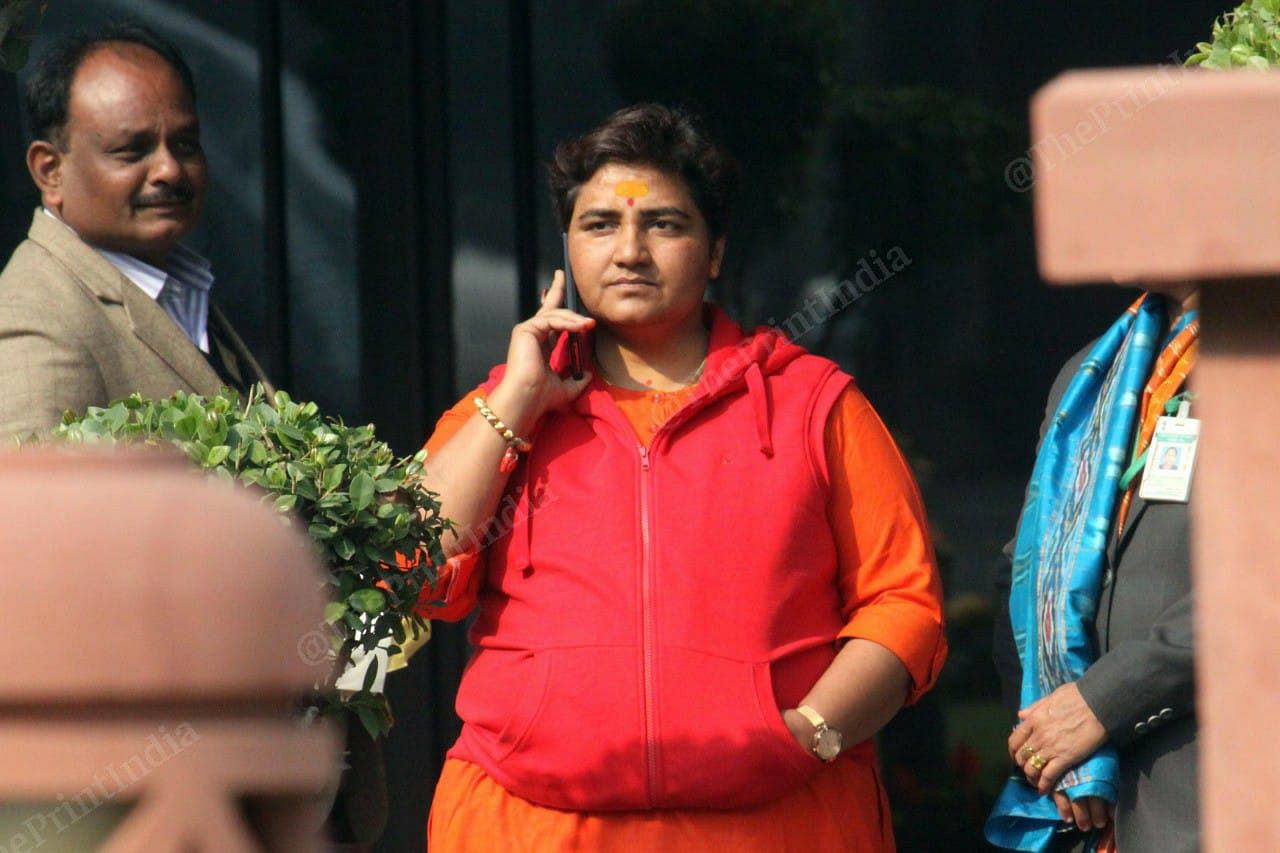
(1172, 367)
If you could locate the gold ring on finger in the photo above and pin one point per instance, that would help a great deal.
(1026, 752)
(1036, 761)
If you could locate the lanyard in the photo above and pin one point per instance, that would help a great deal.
(1172, 406)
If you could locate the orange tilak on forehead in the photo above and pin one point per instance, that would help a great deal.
(631, 190)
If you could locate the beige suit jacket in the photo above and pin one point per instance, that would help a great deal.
(75, 332)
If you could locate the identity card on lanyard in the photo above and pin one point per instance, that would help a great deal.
(1171, 457)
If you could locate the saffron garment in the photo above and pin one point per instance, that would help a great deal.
(889, 594)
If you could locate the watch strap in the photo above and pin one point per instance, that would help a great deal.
(812, 716)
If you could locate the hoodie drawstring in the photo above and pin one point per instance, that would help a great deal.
(760, 404)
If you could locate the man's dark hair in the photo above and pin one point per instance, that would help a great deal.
(48, 90)
(666, 138)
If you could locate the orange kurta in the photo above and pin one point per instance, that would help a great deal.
(890, 594)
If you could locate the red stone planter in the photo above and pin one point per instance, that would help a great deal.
(158, 639)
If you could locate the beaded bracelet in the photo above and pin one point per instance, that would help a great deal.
(515, 444)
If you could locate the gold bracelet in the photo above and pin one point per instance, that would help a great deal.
(515, 444)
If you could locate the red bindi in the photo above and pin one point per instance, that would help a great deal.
(631, 202)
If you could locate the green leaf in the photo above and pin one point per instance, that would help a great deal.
(263, 413)
(333, 611)
(258, 454)
(319, 532)
(285, 503)
(289, 434)
(333, 476)
(116, 416)
(368, 600)
(186, 426)
(361, 491)
(254, 478)
(344, 548)
(307, 489)
(217, 455)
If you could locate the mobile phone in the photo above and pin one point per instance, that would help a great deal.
(574, 304)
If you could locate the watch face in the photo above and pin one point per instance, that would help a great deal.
(827, 744)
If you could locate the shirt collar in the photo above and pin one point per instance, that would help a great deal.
(186, 265)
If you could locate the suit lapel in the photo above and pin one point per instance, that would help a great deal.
(149, 322)
(93, 271)
(166, 339)
(147, 319)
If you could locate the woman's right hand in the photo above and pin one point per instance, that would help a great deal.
(529, 387)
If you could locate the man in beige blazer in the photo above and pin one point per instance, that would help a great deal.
(101, 300)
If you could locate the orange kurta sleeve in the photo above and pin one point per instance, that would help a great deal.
(888, 576)
(453, 419)
(454, 593)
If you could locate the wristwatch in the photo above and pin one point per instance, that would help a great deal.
(827, 742)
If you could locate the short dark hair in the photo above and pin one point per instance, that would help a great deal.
(48, 89)
(667, 138)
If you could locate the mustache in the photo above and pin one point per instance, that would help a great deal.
(172, 195)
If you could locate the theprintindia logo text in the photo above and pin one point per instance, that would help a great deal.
(107, 784)
(872, 271)
(1047, 153)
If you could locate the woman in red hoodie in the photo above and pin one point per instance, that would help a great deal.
(702, 571)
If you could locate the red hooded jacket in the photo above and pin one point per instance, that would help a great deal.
(651, 609)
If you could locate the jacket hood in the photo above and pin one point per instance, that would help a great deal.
(734, 359)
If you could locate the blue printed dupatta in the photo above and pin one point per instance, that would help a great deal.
(1060, 552)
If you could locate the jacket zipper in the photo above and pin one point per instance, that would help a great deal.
(647, 626)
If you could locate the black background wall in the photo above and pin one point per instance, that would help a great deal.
(377, 220)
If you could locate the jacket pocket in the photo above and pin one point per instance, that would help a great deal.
(582, 746)
(723, 743)
(499, 696)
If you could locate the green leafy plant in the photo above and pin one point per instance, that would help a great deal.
(377, 531)
(16, 31)
(1246, 37)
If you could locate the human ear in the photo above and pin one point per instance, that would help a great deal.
(717, 256)
(44, 162)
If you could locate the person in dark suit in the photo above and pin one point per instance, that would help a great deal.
(1137, 697)
(102, 300)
